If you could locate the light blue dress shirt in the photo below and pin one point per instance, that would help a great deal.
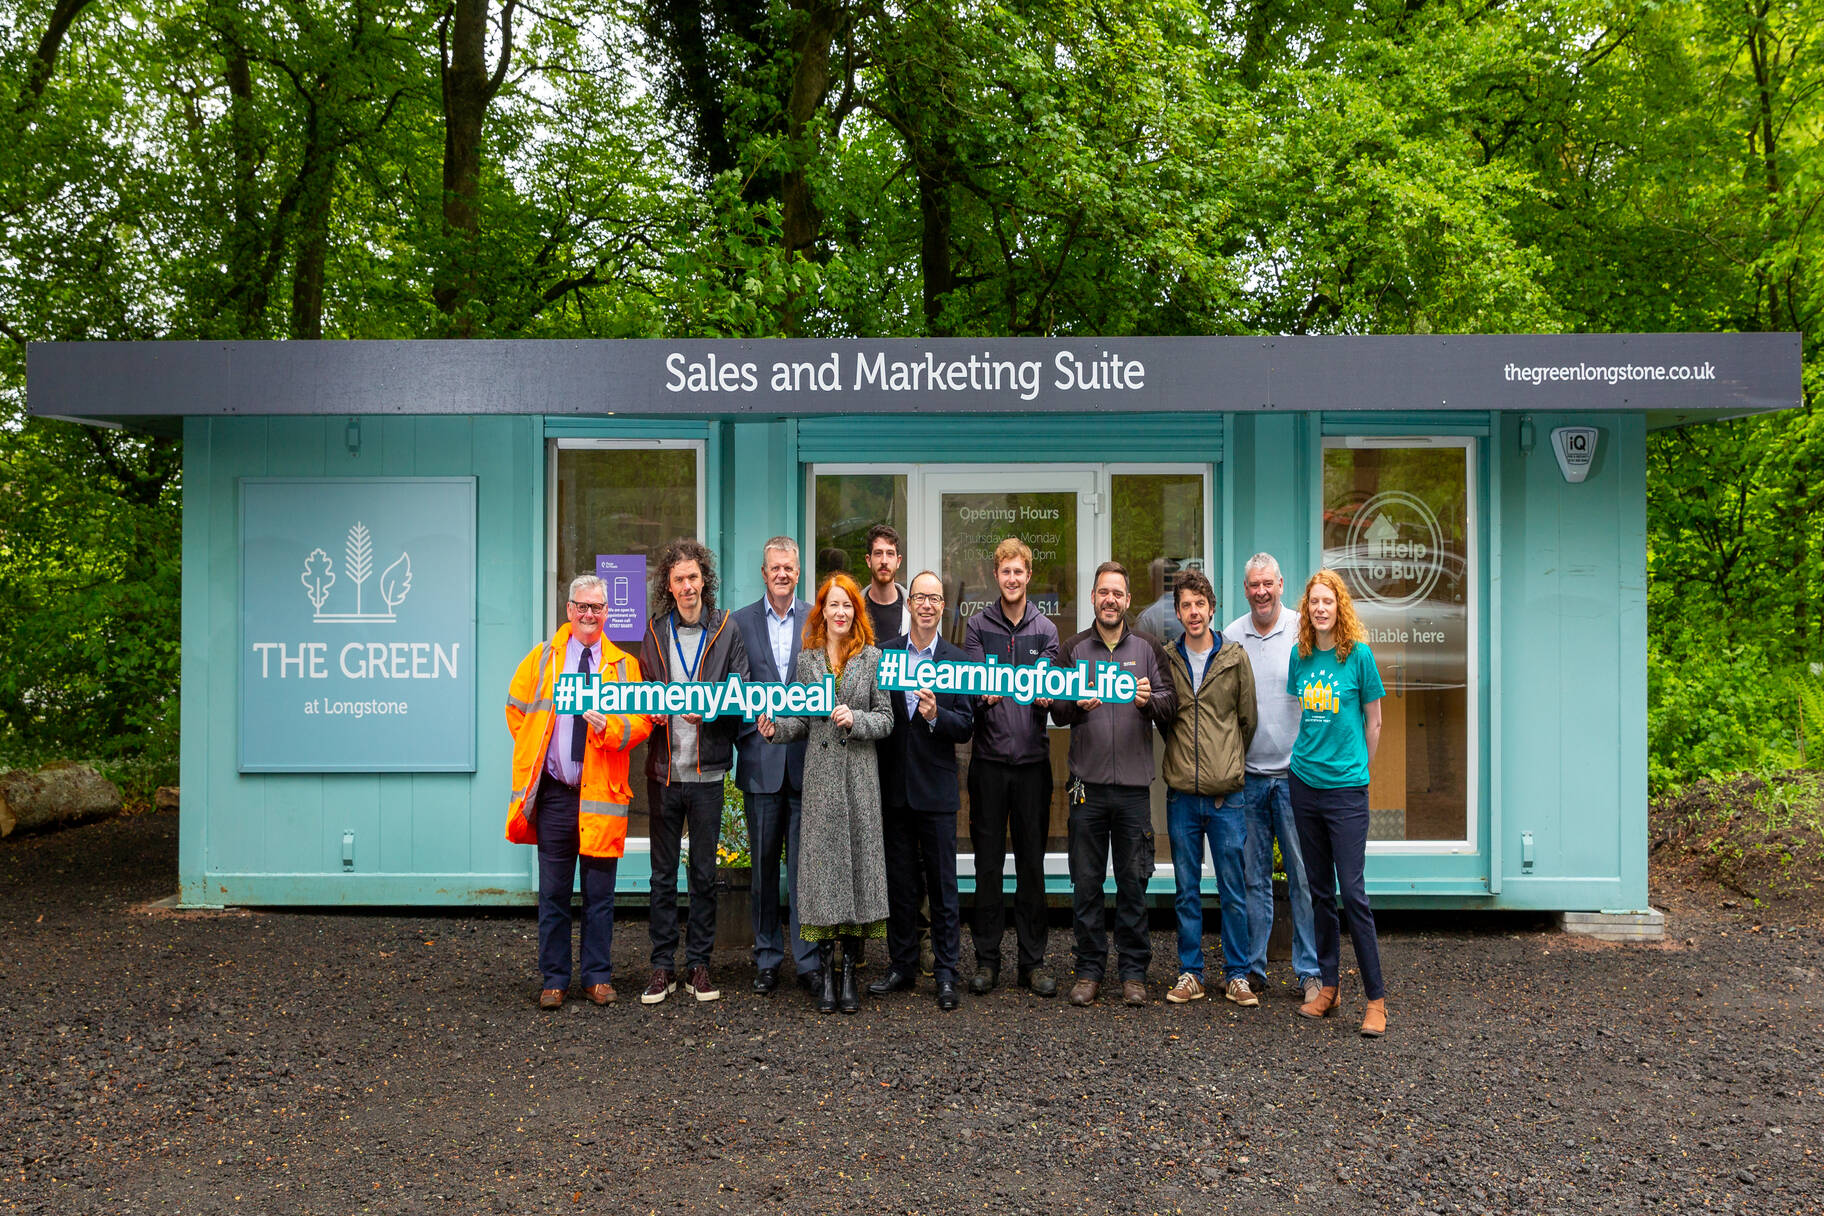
(779, 633)
(914, 659)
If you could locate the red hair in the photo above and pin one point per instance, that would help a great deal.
(861, 633)
(1348, 630)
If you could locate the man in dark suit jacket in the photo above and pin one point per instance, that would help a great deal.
(918, 804)
(770, 778)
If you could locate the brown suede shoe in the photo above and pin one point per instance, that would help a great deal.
(1133, 992)
(1083, 992)
(1322, 1005)
(551, 998)
(601, 994)
(1374, 1019)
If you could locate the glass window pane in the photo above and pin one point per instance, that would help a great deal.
(847, 505)
(974, 524)
(621, 500)
(1157, 530)
(1396, 528)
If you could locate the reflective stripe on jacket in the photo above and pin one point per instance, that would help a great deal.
(532, 719)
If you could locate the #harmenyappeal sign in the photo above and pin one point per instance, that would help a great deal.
(357, 625)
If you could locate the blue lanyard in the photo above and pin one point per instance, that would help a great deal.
(690, 669)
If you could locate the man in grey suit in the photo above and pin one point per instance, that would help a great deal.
(770, 778)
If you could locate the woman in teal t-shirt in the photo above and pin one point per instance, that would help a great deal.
(1339, 691)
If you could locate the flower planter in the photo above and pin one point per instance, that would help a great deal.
(734, 906)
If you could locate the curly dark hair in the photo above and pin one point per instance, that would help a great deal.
(684, 549)
(1195, 583)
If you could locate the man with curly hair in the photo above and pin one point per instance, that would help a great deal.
(688, 639)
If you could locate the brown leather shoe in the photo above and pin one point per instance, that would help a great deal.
(1374, 1019)
(1322, 1005)
(1133, 992)
(1083, 992)
(601, 994)
(551, 998)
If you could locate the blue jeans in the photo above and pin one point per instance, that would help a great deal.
(1190, 818)
(1267, 801)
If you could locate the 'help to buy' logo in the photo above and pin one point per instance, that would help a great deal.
(358, 566)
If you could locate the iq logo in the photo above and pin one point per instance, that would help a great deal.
(1394, 549)
(319, 578)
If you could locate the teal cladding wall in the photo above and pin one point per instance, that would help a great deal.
(418, 837)
(1573, 681)
(1563, 666)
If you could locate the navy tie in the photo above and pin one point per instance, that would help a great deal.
(579, 729)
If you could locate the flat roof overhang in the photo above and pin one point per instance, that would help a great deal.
(1672, 379)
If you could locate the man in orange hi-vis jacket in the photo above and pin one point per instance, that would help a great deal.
(570, 793)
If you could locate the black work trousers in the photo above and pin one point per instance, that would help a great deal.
(1004, 799)
(1117, 819)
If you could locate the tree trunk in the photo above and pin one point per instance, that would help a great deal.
(467, 89)
(939, 275)
(799, 219)
(316, 180)
(246, 294)
(53, 796)
(44, 60)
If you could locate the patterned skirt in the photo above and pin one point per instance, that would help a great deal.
(876, 930)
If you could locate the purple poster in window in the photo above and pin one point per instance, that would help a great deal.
(625, 574)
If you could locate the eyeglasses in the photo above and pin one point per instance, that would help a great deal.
(927, 597)
(587, 609)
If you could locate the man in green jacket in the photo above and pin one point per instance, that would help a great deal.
(1206, 747)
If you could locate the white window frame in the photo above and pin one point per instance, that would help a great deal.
(1470, 842)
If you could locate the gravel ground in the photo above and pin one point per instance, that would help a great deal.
(324, 1062)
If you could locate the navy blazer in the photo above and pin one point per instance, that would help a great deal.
(760, 767)
(918, 760)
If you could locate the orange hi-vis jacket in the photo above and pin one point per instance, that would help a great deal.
(532, 717)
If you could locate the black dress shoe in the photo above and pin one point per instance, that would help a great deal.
(766, 981)
(947, 998)
(894, 980)
(807, 980)
(984, 980)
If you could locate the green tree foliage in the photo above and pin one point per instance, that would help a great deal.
(493, 168)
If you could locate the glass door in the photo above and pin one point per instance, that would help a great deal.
(966, 513)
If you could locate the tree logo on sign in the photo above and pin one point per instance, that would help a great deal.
(357, 568)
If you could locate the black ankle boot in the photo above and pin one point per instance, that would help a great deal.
(826, 977)
(850, 1000)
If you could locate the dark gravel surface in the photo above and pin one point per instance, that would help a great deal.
(305, 1062)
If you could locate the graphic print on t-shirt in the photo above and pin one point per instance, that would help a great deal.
(1319, 697)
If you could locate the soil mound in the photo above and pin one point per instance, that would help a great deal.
(1754, 839)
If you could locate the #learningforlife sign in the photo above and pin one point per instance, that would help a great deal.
(357, 625)
(1017, 682)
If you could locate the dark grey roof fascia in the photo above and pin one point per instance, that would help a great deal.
(1697, 376)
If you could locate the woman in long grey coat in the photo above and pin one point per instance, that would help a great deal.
(842, 871)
